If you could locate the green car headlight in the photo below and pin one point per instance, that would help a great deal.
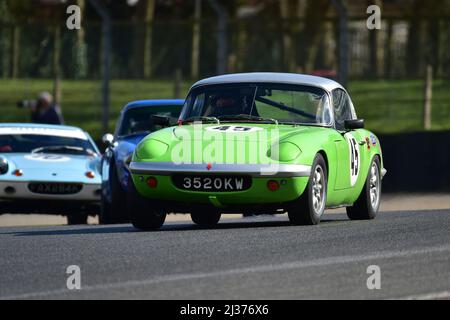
(150, 149)
(284, 152)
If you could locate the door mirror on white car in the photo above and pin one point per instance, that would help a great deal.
(108, 139)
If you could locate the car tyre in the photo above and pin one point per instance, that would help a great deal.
(113, 211)
(368, 202)
(144, 216)
(209, 219)
(77, 219)
(309, 208)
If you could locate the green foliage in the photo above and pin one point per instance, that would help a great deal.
(397, 106)
(387, 106)
(81, 99)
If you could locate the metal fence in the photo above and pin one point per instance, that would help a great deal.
(397, 55)
(401, 49)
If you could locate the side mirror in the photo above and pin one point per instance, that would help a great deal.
(108, 139)
(354, 124)
(163, 120)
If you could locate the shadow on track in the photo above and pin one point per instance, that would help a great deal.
(184, 226)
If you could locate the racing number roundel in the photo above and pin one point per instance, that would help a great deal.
(354, 158)
(47, 157)
(233, 129)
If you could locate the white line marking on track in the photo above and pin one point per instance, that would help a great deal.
(249, 270)
(428, 296)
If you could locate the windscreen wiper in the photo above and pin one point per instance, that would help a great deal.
(58, 148)
(201, 119)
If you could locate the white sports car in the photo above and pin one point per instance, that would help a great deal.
(49, 169)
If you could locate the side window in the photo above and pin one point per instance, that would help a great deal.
(192, 108)
(342, 108)
(186, 106)
(198, 105)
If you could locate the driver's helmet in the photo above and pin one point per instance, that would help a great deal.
(224, 105)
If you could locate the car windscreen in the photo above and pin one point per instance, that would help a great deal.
(27, 143)
(139, 120)
(259, 102)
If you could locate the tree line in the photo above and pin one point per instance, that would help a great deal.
(153, 38)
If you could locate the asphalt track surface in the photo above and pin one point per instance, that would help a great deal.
(253, 258)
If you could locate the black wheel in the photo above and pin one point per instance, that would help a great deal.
(144, 216)
(368, 203)
(207, 219)
(309, 208)
(113, 210)
(77, 219)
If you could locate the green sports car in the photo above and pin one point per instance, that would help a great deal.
(258, 143)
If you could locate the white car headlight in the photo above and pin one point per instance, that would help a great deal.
(4, 166)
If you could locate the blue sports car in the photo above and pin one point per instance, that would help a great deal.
(135, 122)
(49, 169)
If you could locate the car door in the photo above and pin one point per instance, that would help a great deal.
(348, 143)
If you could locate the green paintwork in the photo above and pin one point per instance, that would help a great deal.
(257, 194)
(297, 145)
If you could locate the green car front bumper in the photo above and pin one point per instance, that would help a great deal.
(292, 180)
